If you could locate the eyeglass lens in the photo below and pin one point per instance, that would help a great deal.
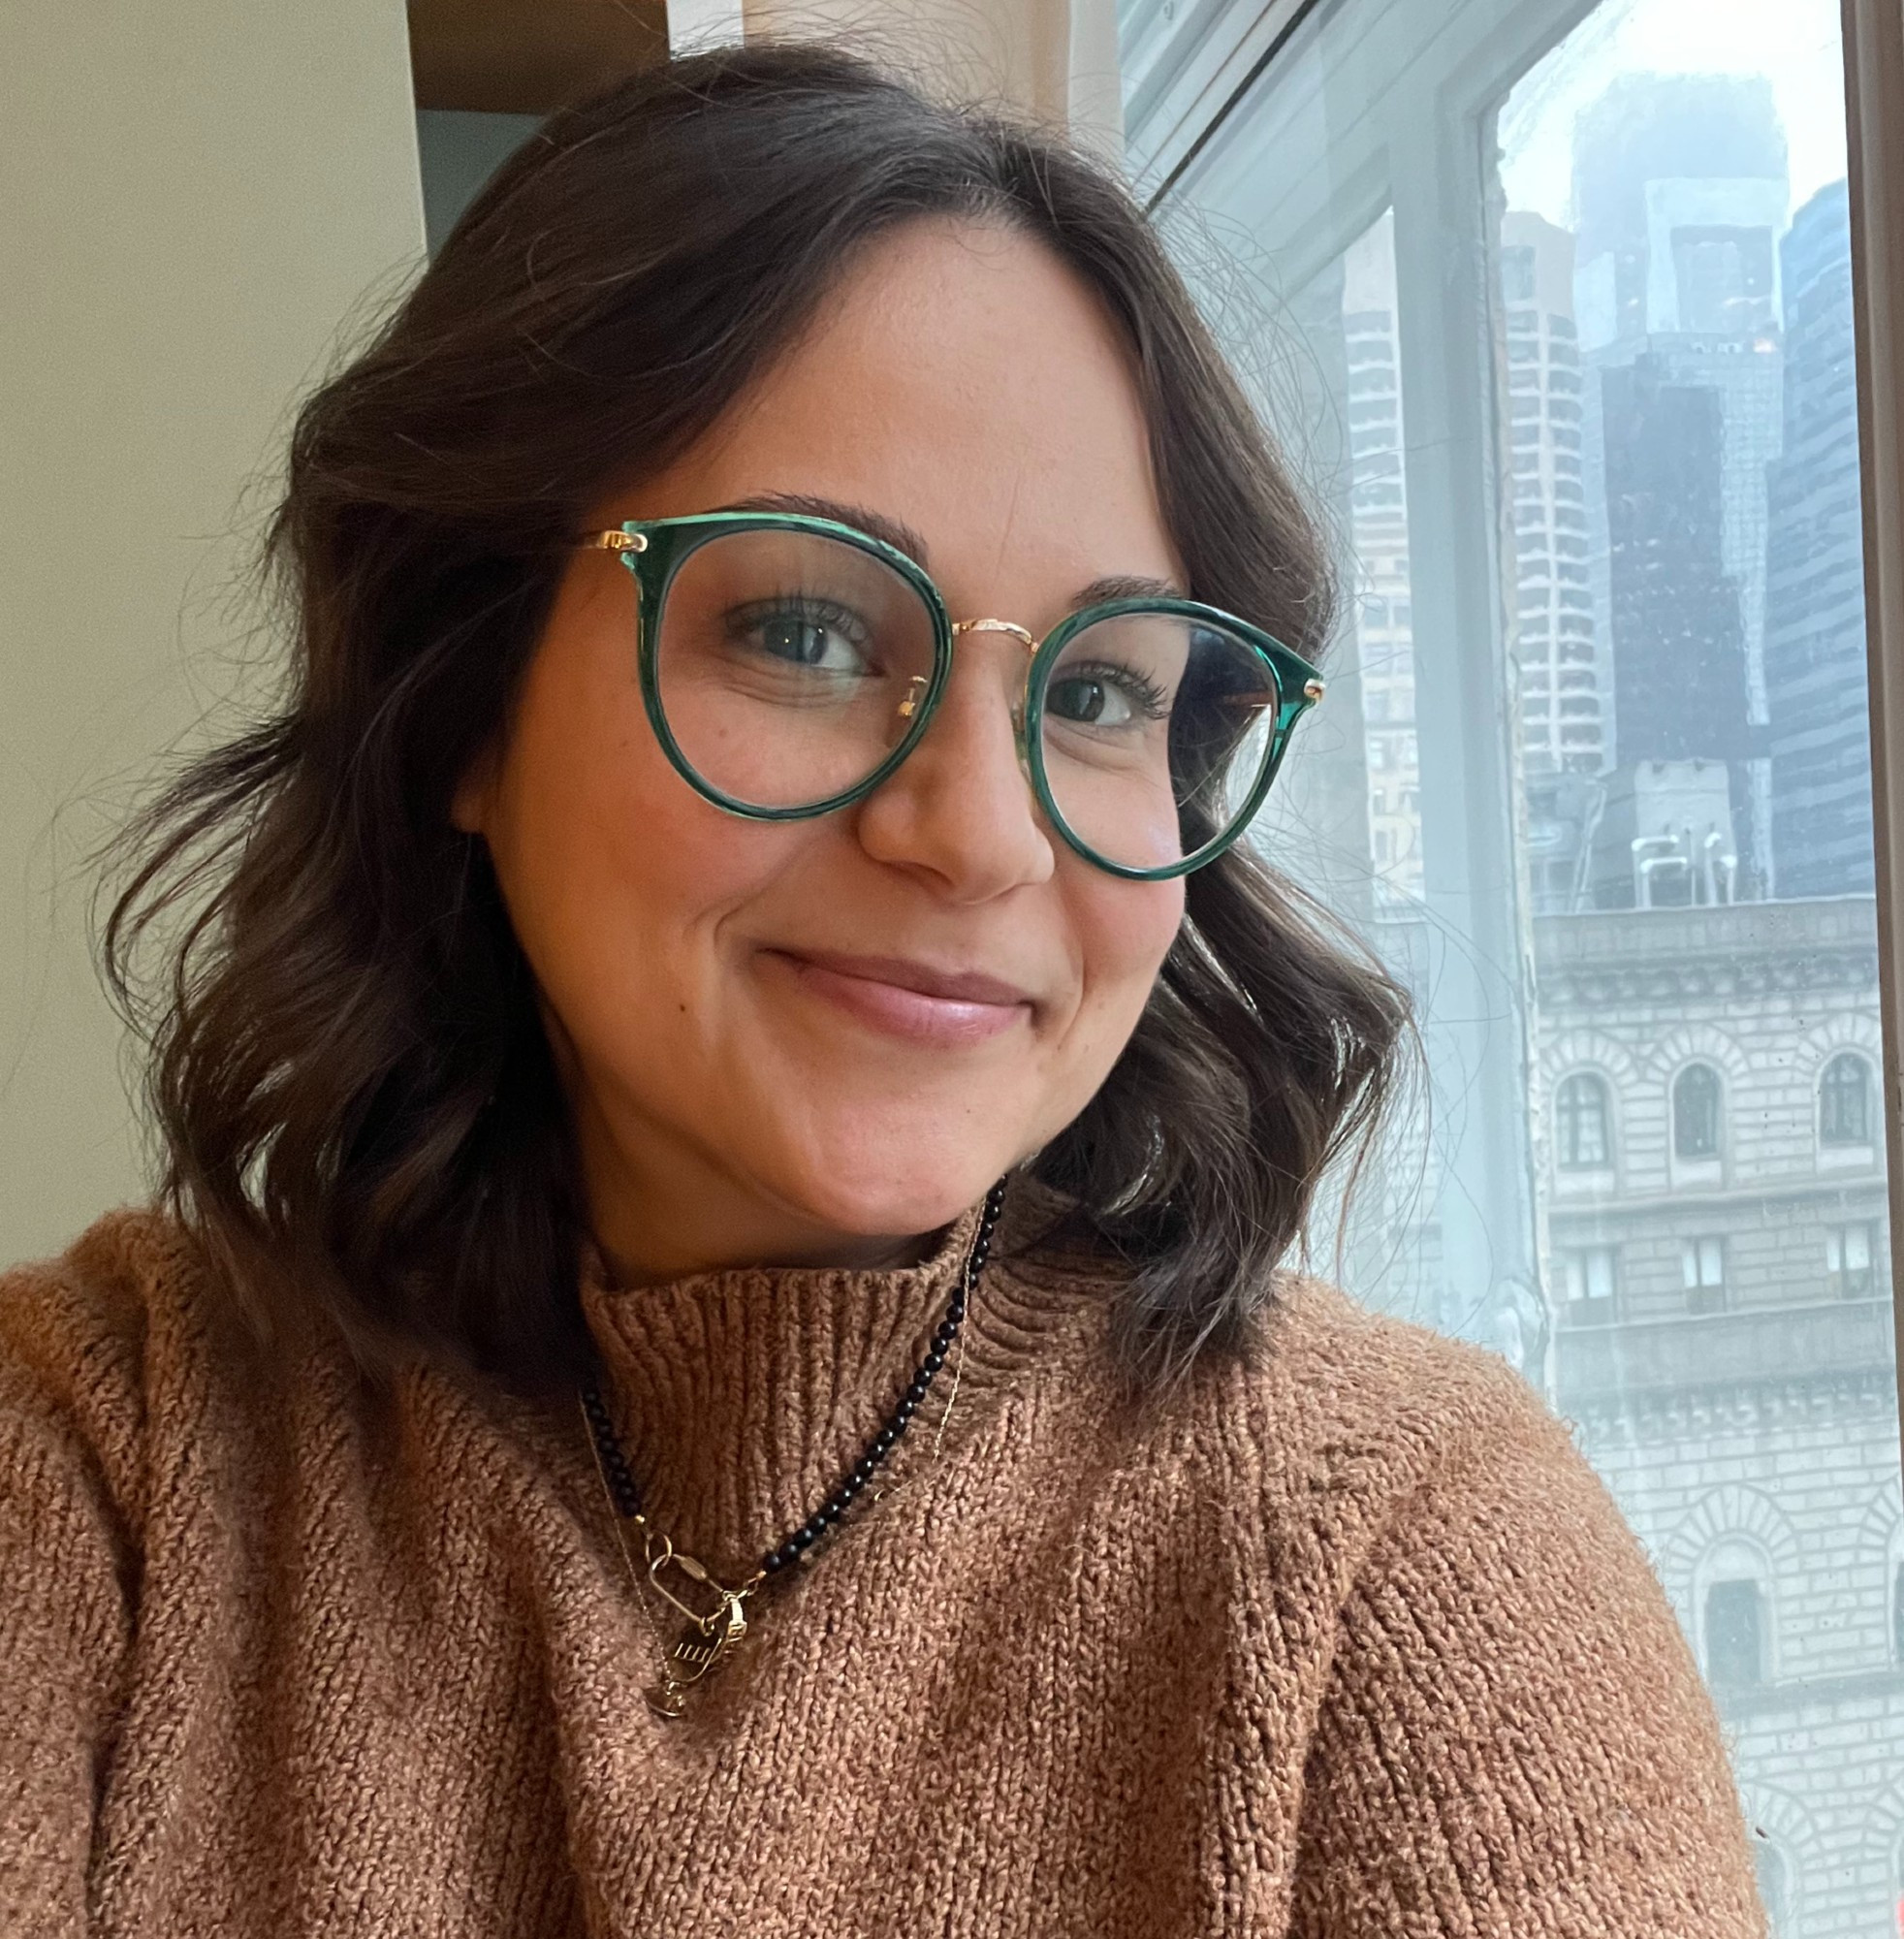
(790, 665)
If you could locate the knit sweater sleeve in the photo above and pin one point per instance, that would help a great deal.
(69, 1430)
(1515, 1739)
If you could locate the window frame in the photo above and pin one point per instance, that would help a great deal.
(1874, 141)
(1828, 1102)
(1588, 1309)
(1704, 1294)
(1698, 1068)
(1585, 1082)
(1726, 1686)
(1838, 1238)
(1425, 161)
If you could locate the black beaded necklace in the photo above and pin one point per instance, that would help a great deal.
(714, 1632)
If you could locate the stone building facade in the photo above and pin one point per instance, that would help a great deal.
(1711, 1145)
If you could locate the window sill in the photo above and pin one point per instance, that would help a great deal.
(1847, 1157)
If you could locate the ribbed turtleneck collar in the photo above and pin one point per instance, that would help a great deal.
(743, 1396)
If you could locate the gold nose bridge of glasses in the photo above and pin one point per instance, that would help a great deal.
(919, 682)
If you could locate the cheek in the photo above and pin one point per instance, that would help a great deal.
(613, 869)
(1124, 929)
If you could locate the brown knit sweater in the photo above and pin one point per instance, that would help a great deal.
(1347, 1642)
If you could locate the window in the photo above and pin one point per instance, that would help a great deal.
(1844, 1101)
(1702, 1266)
(1774, 1883)
(1589, 1280)
(1625, 669)
(1696, 1112)
(1735, 1651)
(1897, 1614)
(1581, 1123)
(1850, 1256)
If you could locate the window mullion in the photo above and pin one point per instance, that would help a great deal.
(1874, 97)
(1475, 1020)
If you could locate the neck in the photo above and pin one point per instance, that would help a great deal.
(635, 1254)
(659, 1212)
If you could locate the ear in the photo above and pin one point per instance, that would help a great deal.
(470, 806)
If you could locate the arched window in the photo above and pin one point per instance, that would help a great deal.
(1734, 1634)
(1581, 1124)
(1696, 1112)
(1774, 1883)
(1844, 1101)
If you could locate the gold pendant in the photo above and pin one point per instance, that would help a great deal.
(706, 1642)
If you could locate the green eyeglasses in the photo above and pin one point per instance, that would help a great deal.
(789, 664)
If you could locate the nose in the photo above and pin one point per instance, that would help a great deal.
(958, 810)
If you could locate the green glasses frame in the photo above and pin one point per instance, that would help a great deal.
(653, 550)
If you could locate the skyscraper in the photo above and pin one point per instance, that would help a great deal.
(1681, 187)
(1378, 537)
(1815, 642)
(1672, 175)
(1562, 715)
(1678, 640)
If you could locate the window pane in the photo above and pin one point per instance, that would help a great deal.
(1732, 1642)
(1769, 1865)
(1582, 1121)
(1844, 1101)
(1696, 1112)
(1605, 628)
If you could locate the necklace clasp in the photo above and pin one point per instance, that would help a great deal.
(726, 1610)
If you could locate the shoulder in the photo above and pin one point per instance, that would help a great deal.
(97, 1302)
(1407, 1463)
(1512, 1719)
(1370, 1405)
(1448, 1508)
(93, 1339)
(1335, 1429)
(1329, 1406)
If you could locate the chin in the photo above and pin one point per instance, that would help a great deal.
(875, 1193)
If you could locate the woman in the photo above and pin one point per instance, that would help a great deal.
(715, 1358)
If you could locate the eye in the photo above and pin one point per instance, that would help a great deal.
(1105, 697)
(814, 634)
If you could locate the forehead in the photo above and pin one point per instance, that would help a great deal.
(959, 378)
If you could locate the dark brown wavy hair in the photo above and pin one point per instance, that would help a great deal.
(361, 1116)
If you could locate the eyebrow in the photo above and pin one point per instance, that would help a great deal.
(902, 538)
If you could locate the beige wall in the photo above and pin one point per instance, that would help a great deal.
(1054, 59)
(197, 195)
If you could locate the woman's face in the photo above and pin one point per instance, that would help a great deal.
(818, 1038)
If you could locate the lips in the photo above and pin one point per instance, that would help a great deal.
(920, 1003)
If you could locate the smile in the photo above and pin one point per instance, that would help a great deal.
(909, 1000)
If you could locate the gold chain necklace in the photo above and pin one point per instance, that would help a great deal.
(716, 1613)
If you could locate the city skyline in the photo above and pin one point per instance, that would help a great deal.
(1791, 45)
(1675, 317)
